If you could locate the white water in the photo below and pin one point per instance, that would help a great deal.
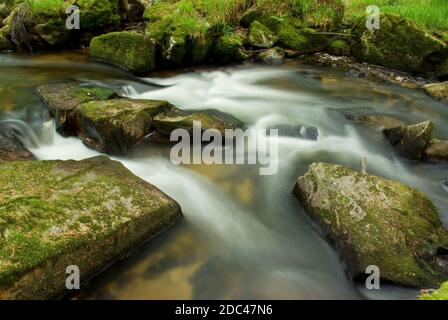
(244, 235)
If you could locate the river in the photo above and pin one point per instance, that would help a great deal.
(243, 236)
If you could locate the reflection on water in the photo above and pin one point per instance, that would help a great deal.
(243, 235)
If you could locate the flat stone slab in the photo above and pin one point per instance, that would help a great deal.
(55, 214)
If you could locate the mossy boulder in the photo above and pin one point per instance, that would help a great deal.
(116, 126)
(436, 151)
(398, 44)
(440, 294)
(11, 148)
(63, 98)
(375, 221)
(294, 35)
(128, 50)
(339, 47)
(103, 121)
(438, 91)
(410, 141)
(228, 48)
(260, 36)
(56, 214)
(209, 119)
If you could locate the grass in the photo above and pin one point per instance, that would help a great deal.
(433, 14)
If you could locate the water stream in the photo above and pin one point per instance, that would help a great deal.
(243, 235)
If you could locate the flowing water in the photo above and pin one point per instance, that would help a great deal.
(243, 235)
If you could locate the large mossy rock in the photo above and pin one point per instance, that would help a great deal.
(398, 44)
(410, 141)
(36, 25)
(103, 121)
(440, 294)
(438, 91)
(229, 48)
(165, 124)
(294, 35)
(57, 214)
(11, 148)
(261, 36)
(128, 50)
(374, 221)
(442, 70)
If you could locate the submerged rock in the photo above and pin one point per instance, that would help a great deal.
(410, 141)
(11, 148)
(398, 44)
(61, 213)
(104, 122)
(260, 36)
(437, 150)
(374, 221)
(209, 119)
(439, 91)
(128, 50)
(272, 56)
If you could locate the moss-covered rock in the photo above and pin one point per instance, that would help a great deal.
(260, 36)
(116, 126)
(209, 119)
(103, 121)
(339, 47)
(294, 35)
(11, 148)
(374, 221)
(128, 50)
(54, 214)
(63, 98)
(229, 47)
(35, 24)
(410, 141)
(398, 44)
(440, 294)
(436, 151)
(438, 91)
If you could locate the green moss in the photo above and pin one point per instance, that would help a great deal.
(5, 44)
(129, 50)
(375, 221)
(260, 36)
(440, 294)
(339, 47)
(55, 213)
(229, 47)
(399, 44)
